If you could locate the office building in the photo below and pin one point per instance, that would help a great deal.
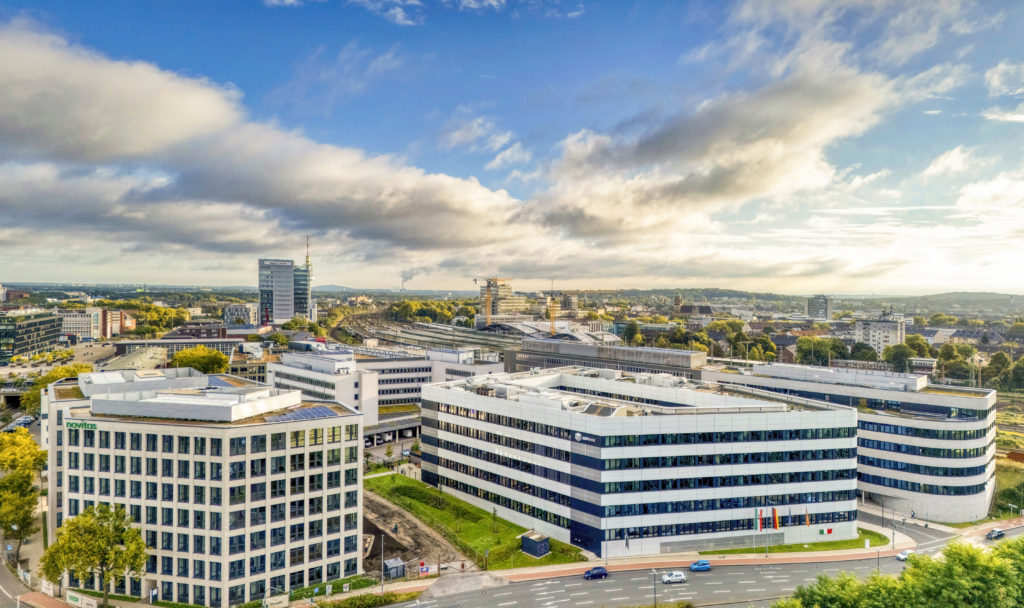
(889, 329)
(285, 290)
(239, 490)
(624, 464)
(78, 324)
(115, 323)
(28, 333)
(922, 448)
(496, 298)
(173, 345)
(200, 329)
(819, 308)
(242, 314)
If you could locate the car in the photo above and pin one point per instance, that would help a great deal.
(701, 565)
(598, 572)
(903, 555)
(995, 534)
(406, 452)
(676, 576)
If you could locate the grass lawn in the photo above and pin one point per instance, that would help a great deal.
(876, 539)
(375, 468)
(471, 529)
(1009, 488)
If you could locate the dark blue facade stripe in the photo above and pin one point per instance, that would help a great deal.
(909, 431)
(920, 469)
(917, 450)
(924, 488)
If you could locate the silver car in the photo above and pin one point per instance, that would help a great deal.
(676, 576)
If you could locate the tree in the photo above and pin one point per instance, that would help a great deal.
(630, 332)
(17, 516)
(1017, 373)
(918, 344)
(19, 452)
(202, 359)
(898, 356)
(863, 352)
(279, 339)
(30, 401)
(942, 320)
(997, 366)
(389, 452)
(99, 541)
(415, 447)
(819, 351)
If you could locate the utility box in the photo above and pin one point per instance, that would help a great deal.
(536, 544)
(394, 568)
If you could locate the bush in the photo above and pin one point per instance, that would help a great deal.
(371, 600)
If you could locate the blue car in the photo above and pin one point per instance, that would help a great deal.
(701, 565)
(598, 572)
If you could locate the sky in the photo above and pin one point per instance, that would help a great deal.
(792, 146)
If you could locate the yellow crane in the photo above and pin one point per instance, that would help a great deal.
(491, 286)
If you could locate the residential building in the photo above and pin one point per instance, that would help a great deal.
(922, 448)
(80, 324)
(889, 329)
(624, 464)
(200, 329)
(819, 308)
(242, 314)
(240, 491)
(115, 322)
(27, 333)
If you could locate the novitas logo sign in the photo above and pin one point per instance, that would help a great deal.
(88, 426)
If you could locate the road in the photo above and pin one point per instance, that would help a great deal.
(928, 539)
(740, 584)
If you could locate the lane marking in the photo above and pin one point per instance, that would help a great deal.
(7, 594)
(509, 603)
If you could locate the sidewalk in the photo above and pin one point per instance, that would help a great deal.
(874, 509)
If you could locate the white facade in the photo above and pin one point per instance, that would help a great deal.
(889, 330)
(247, 312)
(239, 490)
(277, 291)
(328, 376)
(634, 464)
(85, 324)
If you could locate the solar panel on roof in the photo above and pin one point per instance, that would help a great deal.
(218, 381)
(305, 414)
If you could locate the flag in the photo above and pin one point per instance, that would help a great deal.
(760, 519)
(775, 518)
(807, 517)
(789, 517)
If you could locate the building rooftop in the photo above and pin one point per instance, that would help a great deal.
(610, 393)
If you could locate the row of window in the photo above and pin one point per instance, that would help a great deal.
(498, 499)
(516, 485)
(729, 525)
(418, 380)
(920, 469)
(699, 460)
(909, 431)
(502, 440)
(725, 481)
(182, 444)
(925, 488)
(183, 469)
(737, 502)
(185, 493)
(917, 450)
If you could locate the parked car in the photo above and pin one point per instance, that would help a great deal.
(995, 534)
(701, 565)
(598, 572)
(676, 576)
(903, 555)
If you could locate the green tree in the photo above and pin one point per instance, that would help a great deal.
(17, 516)
(898, 356)
(942, 320)
(918, 344)
(202, 359)
(99, 541)
(948, 353)
(415, 447)
(19, 452)
(1017, 373)
(965, 351)
(30, 401)
(819, 351)
(630, 332)
(997, 366)
(863, 352)
(279, 339)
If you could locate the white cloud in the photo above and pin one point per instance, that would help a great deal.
(1001, 115)
(512, 155)
(324, 79)
(399, 12)
(1005, 79)
(957, 160)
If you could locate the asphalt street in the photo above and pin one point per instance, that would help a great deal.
(739, 584)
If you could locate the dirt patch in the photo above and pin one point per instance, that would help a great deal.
(413, 542)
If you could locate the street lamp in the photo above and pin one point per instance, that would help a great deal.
(654, 573)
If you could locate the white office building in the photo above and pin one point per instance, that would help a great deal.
(247, 313)
(921, 449)
(82, 323)
(241, 491)
(625, 464)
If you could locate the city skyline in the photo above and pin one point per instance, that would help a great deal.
(804, 147)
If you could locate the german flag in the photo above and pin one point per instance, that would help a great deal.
(775, 519)
(807, 517)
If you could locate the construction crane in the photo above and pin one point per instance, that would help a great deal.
(491, 286)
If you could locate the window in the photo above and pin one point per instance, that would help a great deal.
(277, 488)
(151, 466)
(214, 576)
(296, 555)
(199, 592)
(277, 536)
(236, 594)
(258, 467)
(351, 477)
(333, 571)
(199, 519)
(183, 542)
(72, 459)
(297, 532)
(167, 443)
(199, 496)
(167, 517)
(215, 469)
(333, 525)
(277, 465)
(298, 462)
(333, 479)
(199, 470)
(351, 543)
(277, 560)
(118, 464)
(199, 443)
(298, 439)
(236, 544)
(119, 438)
(316, 436)
(316, 528)
(351, 432)
(351, 499)
(236, 519)
(136, 513)
(167, 466)
(257, 540)
(297, 485)
(151, 539)
(277, 512)
(351, 454)
(135, 465)
(334, 547)
(257, 565)
(350, 521)
(236, 446)
(215, 520)
(316, 459)
(214, 550)
(166, 565)
(183, 467)
(257, 491)
(198, 569)
(166, 541)
(87, 485)
(333, 502)
(89, 439)
(257, 443)
(334, 457)
(296, 580)
(89, 461)
(334, 434)
(119, 487)
(316, 505)
(73, 437)
(215, 447)
(236, 569)
(104, 486)
(135, 440)
(277, 441)
(182, 492)
(236, 470)
(150, 515)
(316, 482)
(257, 516)
(182, 518)
(167, 491)
(198, 543)
(297, 509)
